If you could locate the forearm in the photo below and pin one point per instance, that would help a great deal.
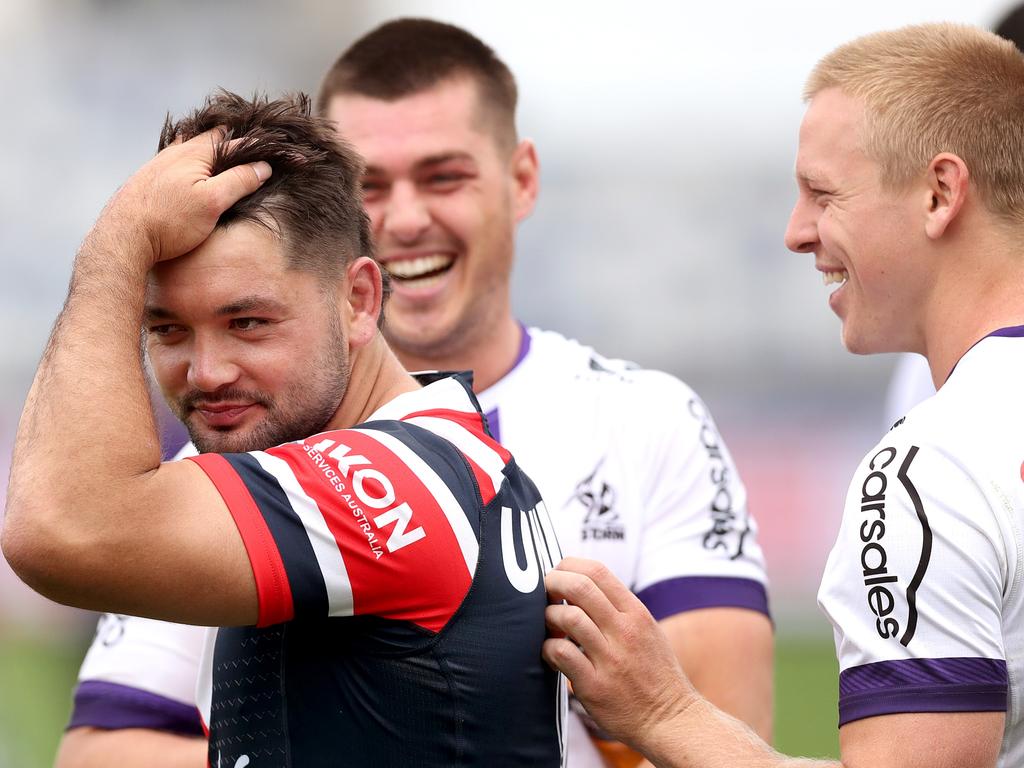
(130, 748)
(702, 736)
(727, 653)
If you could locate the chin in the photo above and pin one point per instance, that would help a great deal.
(211, 441)
(860, 344)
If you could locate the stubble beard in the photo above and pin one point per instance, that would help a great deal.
(305, 408)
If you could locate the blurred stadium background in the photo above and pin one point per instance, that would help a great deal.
(666, 133)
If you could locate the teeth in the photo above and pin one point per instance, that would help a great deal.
(835, 277)
(409, 269)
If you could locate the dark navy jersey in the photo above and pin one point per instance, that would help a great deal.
(399, 567)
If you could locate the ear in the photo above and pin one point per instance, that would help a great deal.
(362, 294)
(947, 181)
(525, 178)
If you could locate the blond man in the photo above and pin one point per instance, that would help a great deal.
(911, 198)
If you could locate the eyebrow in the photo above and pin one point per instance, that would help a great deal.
(254, 303)
(812, 177)
(430, 160)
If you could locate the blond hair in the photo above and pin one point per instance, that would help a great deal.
(935, 88)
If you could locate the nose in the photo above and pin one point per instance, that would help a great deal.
(802, 230)
(406, 216)
(210, 367)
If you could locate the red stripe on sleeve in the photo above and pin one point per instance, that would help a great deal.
(472, 421)
(483, 481)
(272, 588)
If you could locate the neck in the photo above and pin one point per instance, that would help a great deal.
(376, 378)
(490, 355)
(981, 291)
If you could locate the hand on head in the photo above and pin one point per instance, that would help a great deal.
(613, 651)
(173, 201)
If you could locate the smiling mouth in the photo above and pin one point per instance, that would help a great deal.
(840, 276)
(221, 416)
(420, 271)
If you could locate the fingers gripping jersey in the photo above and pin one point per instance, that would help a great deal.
(636, 475)
(923, 585)
(401, 604)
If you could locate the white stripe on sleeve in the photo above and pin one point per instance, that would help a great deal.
(325, 547)
(438, 489)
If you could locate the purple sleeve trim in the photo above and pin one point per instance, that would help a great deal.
(99, 704)
(688, 593)
(922, 685)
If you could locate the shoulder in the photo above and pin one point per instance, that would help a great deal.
(587, 369)
(926, 542)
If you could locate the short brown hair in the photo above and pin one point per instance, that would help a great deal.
(313, 199)
(935, 88)
(406, 56)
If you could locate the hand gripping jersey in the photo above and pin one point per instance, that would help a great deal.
(923, 586)
(633, 472)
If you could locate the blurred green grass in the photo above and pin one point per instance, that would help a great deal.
(806, 696)
(37, 676)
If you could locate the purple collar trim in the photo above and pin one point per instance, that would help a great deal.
(1011, 332)
(1015, 331)
(524, 346)
(492, 418)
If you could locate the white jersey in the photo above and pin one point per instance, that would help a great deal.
(633, 473)
(911, 383)
(923, 584)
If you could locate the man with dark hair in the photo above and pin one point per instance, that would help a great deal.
(629, 460)
(376, 583)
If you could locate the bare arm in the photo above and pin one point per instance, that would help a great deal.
(93, 519)
(727, 655)
(128, 747)
(632, 684)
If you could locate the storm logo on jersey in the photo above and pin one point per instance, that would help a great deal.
(598, 498)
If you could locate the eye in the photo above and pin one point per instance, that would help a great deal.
(247, 323)
(373, 188)
(164, 330)
(446, 180)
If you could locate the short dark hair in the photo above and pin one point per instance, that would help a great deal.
(313, 199)
(406, 56)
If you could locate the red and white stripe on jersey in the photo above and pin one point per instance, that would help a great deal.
(465, 430)
(273, 591)
(416, 569)
(486, 458)
(318, 531)
(438, 492)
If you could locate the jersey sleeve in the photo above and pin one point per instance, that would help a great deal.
(699, 547)
(914, 589)
(140, 673)
(353, 522)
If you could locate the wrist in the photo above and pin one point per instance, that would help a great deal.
(114, 245)
(664, 736)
